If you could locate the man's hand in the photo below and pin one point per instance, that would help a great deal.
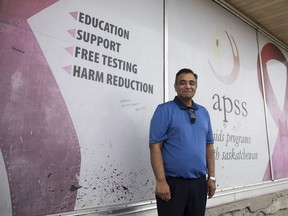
(211, 188)
(163, 190)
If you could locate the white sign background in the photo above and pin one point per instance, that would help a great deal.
(111, 122)
(194, 27)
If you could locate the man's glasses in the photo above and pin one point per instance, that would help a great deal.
(192, 115)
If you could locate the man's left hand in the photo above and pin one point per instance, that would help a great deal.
(211, 188)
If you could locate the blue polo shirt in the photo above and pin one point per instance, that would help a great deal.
(184, 143)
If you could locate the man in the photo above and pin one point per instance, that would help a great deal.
(182, 152)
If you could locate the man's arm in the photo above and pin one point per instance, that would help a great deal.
(210, 160)
(162, 188)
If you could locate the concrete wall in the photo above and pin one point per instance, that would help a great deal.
(270, 204)
(273, 204)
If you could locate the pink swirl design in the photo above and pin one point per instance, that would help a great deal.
(231, 77)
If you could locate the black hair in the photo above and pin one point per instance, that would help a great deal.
(185, 70)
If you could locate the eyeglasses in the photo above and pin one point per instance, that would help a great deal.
(192, 115)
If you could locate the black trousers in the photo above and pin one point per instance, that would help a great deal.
(188, 197)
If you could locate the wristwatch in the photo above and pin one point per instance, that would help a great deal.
(213, 178)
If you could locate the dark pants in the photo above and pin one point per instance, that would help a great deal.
(188, 197)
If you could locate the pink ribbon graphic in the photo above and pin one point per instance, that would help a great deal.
(280, 152)
(38, 140)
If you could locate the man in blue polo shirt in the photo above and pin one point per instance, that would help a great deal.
(182, 152)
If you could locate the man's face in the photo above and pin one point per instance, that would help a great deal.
(186, 86)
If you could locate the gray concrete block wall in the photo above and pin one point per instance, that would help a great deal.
(275, 204)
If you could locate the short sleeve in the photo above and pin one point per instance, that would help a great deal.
(159, 125)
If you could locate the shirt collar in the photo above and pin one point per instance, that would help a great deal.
(183, 106)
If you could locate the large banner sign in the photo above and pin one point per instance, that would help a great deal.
(81, 79)
(79, 83)
(223, 52)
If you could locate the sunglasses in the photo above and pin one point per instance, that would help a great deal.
(192, 115)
